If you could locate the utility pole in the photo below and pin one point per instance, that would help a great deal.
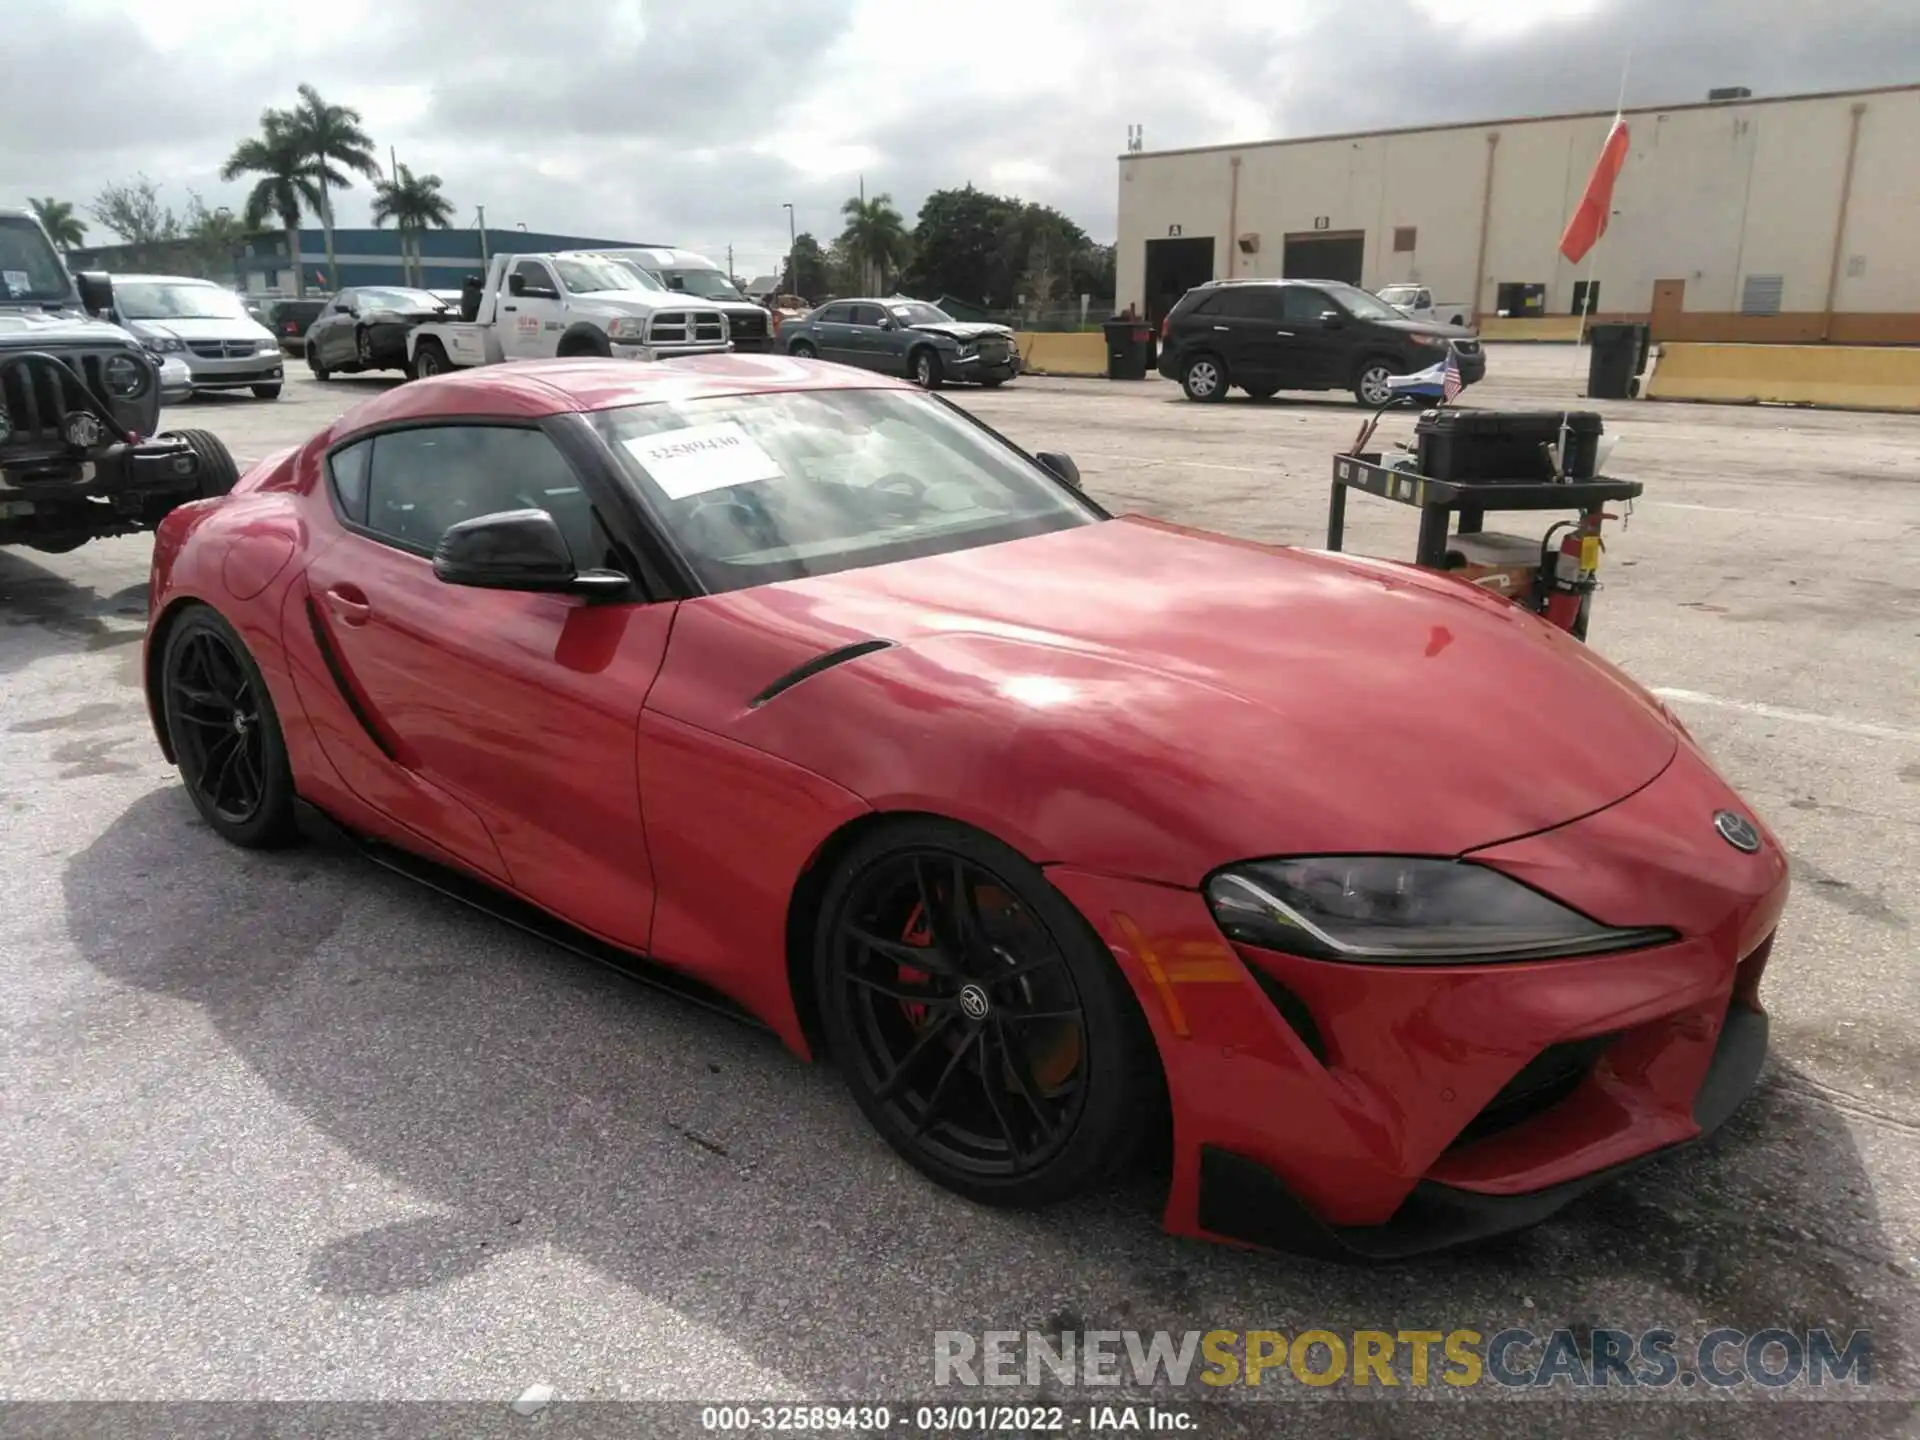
(393, 176)
(729, 262)
(793, 281)
(485, 258)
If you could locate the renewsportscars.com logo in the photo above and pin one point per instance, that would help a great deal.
(1513, 1358)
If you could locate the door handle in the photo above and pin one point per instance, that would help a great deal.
(1286, 334)
(1220, 327)
(509, 307)
(349, 605)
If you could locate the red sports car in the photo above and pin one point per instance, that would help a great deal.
(1396, 915)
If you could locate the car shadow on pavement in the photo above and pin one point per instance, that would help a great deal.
(43, 613)
(533, 1100)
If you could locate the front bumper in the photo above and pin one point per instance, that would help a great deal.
(623, 350)
(965, 368)
(264, 368)
(1380, 1111)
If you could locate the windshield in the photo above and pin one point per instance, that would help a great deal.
(177, 300)
(30, 270)
(1362, 305)
(761, 488)
(383, 298)
(584, 274)
(1400, 294)
(707, 284)
(916, 312)
(648, 280)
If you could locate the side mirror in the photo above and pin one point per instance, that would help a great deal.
(1061, 466)
(886, 322)
(516, 284)
(517, 550)
(96, 291)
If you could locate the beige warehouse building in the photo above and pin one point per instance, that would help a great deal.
(1794, 218)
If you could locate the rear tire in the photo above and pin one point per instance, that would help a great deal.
(801, 350)
(1048, 1076)
(266, 392)
(1204, 378)
(429, 360)
(225, 733)
(218, 472)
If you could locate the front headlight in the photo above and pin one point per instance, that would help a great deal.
(163, 344)
(267, 345)
(1431, 342)
(628, 328)
(125, 376)
(1404, 911)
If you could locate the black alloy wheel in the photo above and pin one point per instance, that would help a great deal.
(226, 736)
(979, 1022)
(363, 347)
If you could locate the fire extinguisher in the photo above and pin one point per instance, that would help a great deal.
(1567, 575)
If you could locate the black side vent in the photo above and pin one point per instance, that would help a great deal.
(1294, 1011)
(1546, 1080)
(814, 666)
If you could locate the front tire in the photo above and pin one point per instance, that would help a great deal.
(218, 473)
(225, 733)
(981, 1025)
(1261, 392)
(363, 347)
(1204, 378)
(928, 373)
(266, 392)
(320, 372)
(1370, 385)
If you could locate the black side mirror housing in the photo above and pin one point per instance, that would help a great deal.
(96, 291)
(517, 550)
(1061, 466)
(516, 284)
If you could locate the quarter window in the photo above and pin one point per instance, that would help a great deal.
(349, 470)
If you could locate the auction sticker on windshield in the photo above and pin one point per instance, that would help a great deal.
(18, 282)
(698, 458)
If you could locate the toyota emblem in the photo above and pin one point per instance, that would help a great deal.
(1737, 831)
(973, 1002)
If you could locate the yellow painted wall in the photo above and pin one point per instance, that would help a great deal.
(1076, 354)
(1844, 376)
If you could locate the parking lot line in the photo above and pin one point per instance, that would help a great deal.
(1776, 712)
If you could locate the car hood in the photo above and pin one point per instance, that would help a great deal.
(964, 329)
(1428, 327)
(23, 329)
(1151, 701)
(222, 328)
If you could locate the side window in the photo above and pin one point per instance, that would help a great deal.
(866, 314)
(834, 315)
(348, 468)
(1304, 302)
(534, 275)
(343, 302)
(422, 481)
(1425, 302)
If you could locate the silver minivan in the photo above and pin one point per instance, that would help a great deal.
(206, 326)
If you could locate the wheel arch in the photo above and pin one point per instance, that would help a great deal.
(158, 631)
(583, 333)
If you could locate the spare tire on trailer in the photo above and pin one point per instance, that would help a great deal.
(218, 472)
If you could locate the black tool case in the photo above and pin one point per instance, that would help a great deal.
(1513, 446)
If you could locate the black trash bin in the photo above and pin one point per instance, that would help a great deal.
(1128, 342)
(1615, 355)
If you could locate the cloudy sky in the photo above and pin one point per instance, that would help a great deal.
(671, 121)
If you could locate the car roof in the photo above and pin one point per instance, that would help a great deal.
(171, 280)
(535, 389)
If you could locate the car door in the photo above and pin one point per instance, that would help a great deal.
(331, 334)
(1246, 327)
(503, 725)
(832, 334)
(532, 303)
(1325, 341)
(870, 346)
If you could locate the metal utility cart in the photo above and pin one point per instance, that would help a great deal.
(1556, 583)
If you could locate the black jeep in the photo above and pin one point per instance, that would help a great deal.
(79, 405)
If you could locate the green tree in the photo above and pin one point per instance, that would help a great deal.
(215, 239)
(334, 143)
(806, 274)
(64, 227)
(415, 205)
(875, 239)
(132, 210)
(956, 246)
(285, 188)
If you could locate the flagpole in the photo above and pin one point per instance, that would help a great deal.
(1593, 263)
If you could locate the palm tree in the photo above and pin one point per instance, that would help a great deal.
(331, 138)
(277, 156)
(64, 228)
(875, 237)
(414, 204)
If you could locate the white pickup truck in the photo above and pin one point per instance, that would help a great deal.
(1416, 302)
(536, 307)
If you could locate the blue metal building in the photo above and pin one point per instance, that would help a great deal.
(365, 256)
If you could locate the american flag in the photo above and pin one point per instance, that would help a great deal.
(1450, 385)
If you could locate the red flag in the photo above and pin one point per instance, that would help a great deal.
(1589, 220)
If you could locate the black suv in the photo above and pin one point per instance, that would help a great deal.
(1266, 336)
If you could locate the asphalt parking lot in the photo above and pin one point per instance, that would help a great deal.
(282, 1127)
